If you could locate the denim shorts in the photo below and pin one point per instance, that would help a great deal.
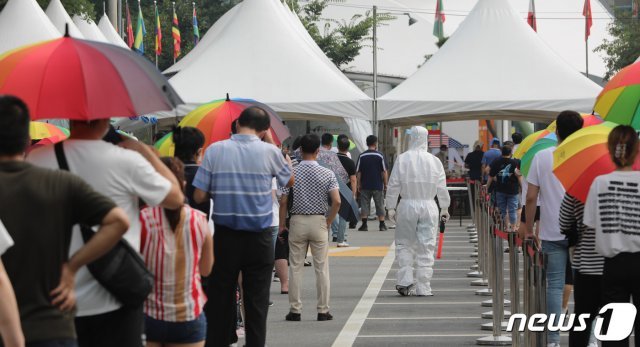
(176, 332)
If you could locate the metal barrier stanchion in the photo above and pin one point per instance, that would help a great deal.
(497, 280)
(541, 293)
(526, 285)
(483, 230)
(514, 282)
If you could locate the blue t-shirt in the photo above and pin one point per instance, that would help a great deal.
(491, 155)
(371, 165)
(238, 173)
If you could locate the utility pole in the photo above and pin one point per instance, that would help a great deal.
(375, 70)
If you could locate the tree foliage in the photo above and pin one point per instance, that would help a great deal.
(340, 40)
(73, 7)
(624, 48)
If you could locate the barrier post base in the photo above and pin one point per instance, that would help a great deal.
(489, 315)
(484, 292)
(489, 303)
(494, 341)
(489, 326)
(480, 283)
(474, 274)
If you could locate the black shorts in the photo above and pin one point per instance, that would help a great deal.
(568, 276)
(282, 247)
(523, 218)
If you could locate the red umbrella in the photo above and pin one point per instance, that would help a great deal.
(84, 80)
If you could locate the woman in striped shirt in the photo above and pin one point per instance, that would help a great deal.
(587, 265)
(177, 247)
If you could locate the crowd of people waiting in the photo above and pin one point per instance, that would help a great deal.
(68, 205)
(590, 249)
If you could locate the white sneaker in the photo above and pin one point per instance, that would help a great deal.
(553, 344)
(343, 244)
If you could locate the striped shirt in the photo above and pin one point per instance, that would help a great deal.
(371, 165)
(585, 258)
(238, 174)
(174, 260)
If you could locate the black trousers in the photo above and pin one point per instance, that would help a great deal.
(251, 253)
(122, 327)
(621, 283)
(587, 294)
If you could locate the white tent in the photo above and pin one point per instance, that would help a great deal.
(89, 29)
(261, 56)
(60, 19)
(493, 66)
(206, 40)
(110, 33)
(401, 47)
(23, 22)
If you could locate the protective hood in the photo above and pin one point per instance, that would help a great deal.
(418, 138)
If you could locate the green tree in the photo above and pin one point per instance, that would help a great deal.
(340, 40)
(624, 48)
(73, 7)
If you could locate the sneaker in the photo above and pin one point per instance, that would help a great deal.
(406, 290)
(343, 244)
(335, 239)
(270, 303)
(383, 227)
(293, 317)
(325, 316)
(276, 279)
(363, 227)
(353, 225)
(307, 263)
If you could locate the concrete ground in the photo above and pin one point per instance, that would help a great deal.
(367, 309)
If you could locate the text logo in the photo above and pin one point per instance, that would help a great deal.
(622, 316)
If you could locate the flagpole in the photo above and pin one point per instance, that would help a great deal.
(174, 48)
(155, 7)
(586, 56)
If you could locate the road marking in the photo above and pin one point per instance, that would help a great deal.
(420, 318)
(440, 290)
(422, 335)
(430, 303)
(359, 251)
(354, 324)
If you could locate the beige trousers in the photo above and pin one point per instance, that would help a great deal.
(305, 232)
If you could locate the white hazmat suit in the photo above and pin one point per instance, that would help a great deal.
(417, 177)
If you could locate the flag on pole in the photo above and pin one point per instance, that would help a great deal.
(531, 16)
(588, 19)
(196, 31)
(130, 38)
(438, 25)
(158, 32)
(175, 30)
(138, 44)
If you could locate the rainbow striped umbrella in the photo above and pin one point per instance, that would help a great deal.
(214, 120)
(588, 119)
(546, 142)
(619, 101)
(582, 157)
(41, 130)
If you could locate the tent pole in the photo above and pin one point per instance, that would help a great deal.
(375, 70)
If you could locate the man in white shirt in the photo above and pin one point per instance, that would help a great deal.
(545, 185)
(125, 173)
(10, 330)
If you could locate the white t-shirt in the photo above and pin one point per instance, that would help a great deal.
(5, 239)
(120, 174)
(613, 209)
(276, 204)
(550, 196)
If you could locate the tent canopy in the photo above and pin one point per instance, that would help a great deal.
(23, 22)
(493, 66)
(110, 33)
(206, 40)
(89, 29)
(260, 56)
(60, 19)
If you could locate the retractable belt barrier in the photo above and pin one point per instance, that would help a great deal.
(525, 259)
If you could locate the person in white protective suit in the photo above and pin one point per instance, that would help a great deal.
(417, 178)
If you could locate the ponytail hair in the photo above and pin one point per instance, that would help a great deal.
(623, 145)
(177, 167)
(188, 141)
